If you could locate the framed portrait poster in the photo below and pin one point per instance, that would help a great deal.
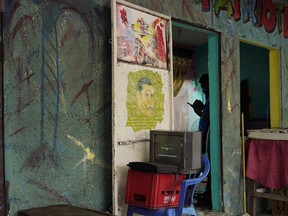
(141, 37)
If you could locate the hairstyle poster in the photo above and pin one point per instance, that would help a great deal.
(145, 101)
(141, 37)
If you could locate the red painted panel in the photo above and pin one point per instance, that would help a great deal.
(269, 16)
(286, 22)
(205, 5)
(237, 13)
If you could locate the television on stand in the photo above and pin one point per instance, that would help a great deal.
(178, 148)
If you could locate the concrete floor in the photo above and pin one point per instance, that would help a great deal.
(204, 212)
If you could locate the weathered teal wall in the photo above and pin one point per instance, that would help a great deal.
(232, 31)
(254, 66)
(57, 90)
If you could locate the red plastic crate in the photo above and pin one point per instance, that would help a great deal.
(153, 190)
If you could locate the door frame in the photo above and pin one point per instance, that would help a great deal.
(274, 83)
(214, 67)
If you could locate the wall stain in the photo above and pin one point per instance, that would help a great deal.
(83, 90)
(44, 187)
(40, 156)
(20, 130)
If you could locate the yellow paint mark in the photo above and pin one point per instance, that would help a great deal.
(77, 142)
(88, 155)
(229, 103)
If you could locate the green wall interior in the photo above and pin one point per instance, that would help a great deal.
(254, 66)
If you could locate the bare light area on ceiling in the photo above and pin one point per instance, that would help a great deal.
(188, 38)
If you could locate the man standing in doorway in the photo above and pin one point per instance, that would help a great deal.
(203, 111)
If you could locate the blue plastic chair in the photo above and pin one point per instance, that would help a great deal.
(182, 207)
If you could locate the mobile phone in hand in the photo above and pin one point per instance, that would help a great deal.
(190, 104)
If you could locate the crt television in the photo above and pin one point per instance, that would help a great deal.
(178, 148)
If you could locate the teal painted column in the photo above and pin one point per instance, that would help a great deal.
(214, 83)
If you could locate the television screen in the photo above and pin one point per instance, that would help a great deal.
(178, 148)
(168, 148)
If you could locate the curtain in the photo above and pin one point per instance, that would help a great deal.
(182, 60)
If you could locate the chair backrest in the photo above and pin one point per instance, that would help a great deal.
(191, 183)
(207, 144)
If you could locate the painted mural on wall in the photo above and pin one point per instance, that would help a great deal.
(265, 13)
(56, 144)
(75, 97)
(141, 38)
(145, 100)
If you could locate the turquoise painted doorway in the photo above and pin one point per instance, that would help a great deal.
(194, 39)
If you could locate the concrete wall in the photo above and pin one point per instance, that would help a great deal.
(57, 90)
(57, 94)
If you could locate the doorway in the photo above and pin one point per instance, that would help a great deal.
(195, 52)
(260, 83)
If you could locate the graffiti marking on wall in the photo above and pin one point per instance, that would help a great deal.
(88, 154)
(261, 13)
(44, 187)
(84, 89)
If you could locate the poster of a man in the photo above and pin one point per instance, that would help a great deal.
(145, 97)
(145, 101)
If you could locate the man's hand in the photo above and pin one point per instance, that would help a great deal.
(198, 107)
(198, 104)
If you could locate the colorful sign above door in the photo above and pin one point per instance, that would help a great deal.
(261, 13)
